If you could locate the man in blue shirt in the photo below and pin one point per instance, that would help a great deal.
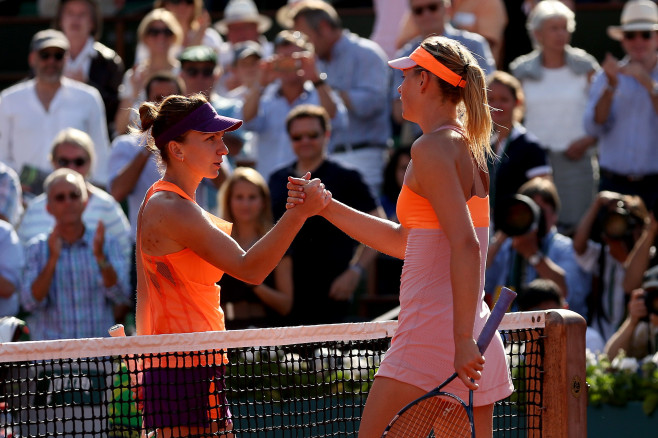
(431, 18)
(622, 110)
(356, 68)
(74, 277)
(288, 79)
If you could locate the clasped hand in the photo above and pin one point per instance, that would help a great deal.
(308, 192)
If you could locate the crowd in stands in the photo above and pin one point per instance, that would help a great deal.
(574, 186)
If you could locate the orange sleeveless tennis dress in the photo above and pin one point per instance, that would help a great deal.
(181, 288)
(422, 351)
(182, 296)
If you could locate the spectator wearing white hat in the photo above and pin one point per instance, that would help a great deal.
(622, 110)
(241, 22)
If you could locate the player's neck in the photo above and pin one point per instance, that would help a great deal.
(184, 181)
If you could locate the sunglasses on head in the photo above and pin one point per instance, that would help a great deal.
(73, 196)
(155, 31)
(193, 71)
(432, 7)
(66, 162)
(311, 135)
(45, 55)
(632, 34)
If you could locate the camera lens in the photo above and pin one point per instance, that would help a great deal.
(616, 225)
(517, 215)
(651, 300)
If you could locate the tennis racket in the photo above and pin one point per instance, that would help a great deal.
(441, 414)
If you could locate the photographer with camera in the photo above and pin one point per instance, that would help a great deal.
(528, 245)
(638, 335)
(602, 242)
(643, 254)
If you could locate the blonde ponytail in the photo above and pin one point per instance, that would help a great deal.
(473, 97)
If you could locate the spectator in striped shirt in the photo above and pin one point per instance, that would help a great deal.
(75, 277)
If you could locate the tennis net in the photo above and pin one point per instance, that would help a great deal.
(309, 381)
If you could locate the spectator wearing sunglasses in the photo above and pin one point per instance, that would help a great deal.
(431, 17)
(161, 34)
(75, 277)
(199, 72)
(33, 112)
(328, 264)
(622, 110)
(73, 149)
(195, 24)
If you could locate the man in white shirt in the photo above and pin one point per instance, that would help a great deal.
(34, 111)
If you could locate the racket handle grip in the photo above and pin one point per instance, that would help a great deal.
(504, 300)
(117, 331)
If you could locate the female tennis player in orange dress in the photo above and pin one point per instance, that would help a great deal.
(182, 251)
(443, 210)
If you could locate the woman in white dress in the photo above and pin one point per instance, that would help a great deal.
(555, 79)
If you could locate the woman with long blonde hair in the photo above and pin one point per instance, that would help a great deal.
(245, 201)
(442, 236)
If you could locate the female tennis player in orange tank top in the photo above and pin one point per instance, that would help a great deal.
(182, 251)
(443, 235)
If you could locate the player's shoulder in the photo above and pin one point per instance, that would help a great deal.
(171, 208)
(444, 143)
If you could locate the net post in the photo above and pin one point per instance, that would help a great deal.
(565, 393)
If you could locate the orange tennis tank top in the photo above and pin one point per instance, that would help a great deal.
(181, 288)
(415, 211)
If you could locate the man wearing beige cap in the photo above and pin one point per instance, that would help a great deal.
(33, 112)
(622, 110)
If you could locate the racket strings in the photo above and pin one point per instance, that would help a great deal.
(438, 416)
